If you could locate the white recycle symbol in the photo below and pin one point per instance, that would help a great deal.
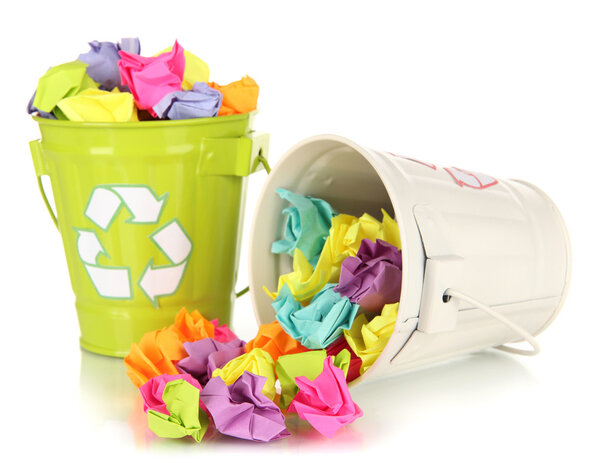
(146, 208)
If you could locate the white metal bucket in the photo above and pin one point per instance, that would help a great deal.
(501, 242)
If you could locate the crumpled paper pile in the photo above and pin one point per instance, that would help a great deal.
(345, 282)
(334, 314)
(112, 82)
(195, 374)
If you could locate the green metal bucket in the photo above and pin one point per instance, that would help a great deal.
(150, 215)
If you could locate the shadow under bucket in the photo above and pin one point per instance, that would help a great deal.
(150, 214)
(485, 261)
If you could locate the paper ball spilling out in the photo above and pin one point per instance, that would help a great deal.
(308, 364)
(319, 323)
(256, 361)
(325, 402)
(206, 355)
(373, 277)
(184, 416)
(158, 351)
(367, 339)
(153, 390)
(307, 225)
(112, 82)
(275, 341)
(242, 410)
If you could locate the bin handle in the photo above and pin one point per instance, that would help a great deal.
(242, 292)
(39, 164)
(264, 162)
(527, 336)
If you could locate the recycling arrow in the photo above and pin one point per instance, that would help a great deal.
(88, 245)
(161, 281)
(110, 282)
(174, 243)
(106, 201)
(145, 207)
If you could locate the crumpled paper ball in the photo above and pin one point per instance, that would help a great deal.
(273, 339)
(200, 101)
(196, 70)
(151, 78)
(155, 354)
(60, 82)
(373, 277)
(325, 402)
(368, 338)
(37, 112)
(319, 323)
(206, 355)
(239, 97)
(222, 332)
(242, 410)
(184, 418)
(94, 105)
(152, 391)
(160, 350)
(308, 364)
(102, 60)
(307, 225)
(345, 235)
(192, 326)
(256, 361)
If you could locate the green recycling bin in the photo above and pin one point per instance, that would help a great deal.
(150, 214)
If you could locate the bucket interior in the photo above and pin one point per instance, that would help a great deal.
(327, 169)
(342, 177)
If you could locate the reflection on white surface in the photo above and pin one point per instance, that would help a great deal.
(112, 405)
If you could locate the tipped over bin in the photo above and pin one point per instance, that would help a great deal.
(485, 261)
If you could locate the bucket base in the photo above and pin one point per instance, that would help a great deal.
(111, 332)
(101, 350)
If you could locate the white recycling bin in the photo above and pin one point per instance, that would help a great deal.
(485, 261)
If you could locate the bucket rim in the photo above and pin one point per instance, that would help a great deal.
(414, 260)
(145, 124)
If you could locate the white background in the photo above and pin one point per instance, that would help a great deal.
(509, 88)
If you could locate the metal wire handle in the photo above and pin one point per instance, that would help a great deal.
(526, 335)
